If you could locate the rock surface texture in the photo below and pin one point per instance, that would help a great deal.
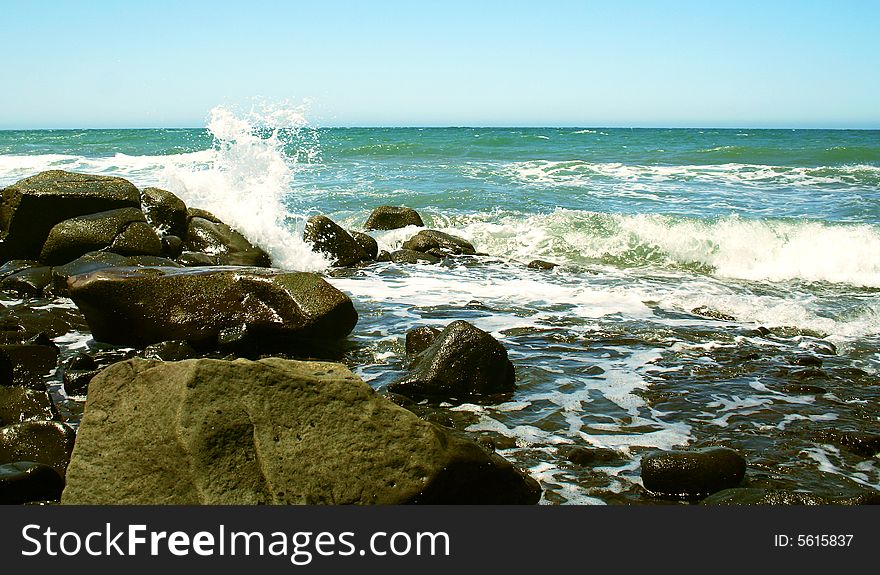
(271, 431)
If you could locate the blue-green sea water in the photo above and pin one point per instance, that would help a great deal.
(674, 245)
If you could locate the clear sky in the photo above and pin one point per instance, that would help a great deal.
(101, 63)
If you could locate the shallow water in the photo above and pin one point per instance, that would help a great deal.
(754, 228)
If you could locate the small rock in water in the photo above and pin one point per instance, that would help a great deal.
(692, 474)
(857, 442)
(706, 311)
(392, 218)
(383, 256)
(441, 242)
(418, 339)
(803, 389)
(165, 211)
(29, 282)
(412, 257)
(462, 362)
(19, 404)
(25, 481)
(808, 361)
(758, 496)
(225, 245)
(541, 265)
(592, 456)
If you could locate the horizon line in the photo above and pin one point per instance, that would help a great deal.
(472, 127)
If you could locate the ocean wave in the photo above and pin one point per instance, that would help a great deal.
(581, 173)
(732, 247)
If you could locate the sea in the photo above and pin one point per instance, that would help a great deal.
(701, 273)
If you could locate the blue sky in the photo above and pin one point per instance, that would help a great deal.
(447, 63)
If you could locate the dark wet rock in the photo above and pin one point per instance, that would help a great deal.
(89, 262)
(807, 361)
(462, 362)
(165, 211)
(857, 442)
(758, 496)
(30, 362)
(47, 442)
(28, 282)
(6, 369)
(706, 311)
(328, 237)
(392, 218)
(81, 361)
(420, 338)
(803, 389)
(141, 306)
(592, 456)
(541, 265)
(170, 351)
(76, 381)
(200, 213)
(226, 246)
(270, 431)
(42, 339)
(94, 261)
(136, 239)
(760, 331)
(692, 474)
(367, 243)
(412, 257)
(76, 237)
(26, 481)
(19, 404)
(383, 256)
(172, 246)
(823, 347)
(15, 266)
(808, 374)
(195, 259)
(32, 207)
(445, 243)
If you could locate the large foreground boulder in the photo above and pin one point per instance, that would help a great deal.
(272, 431)
(328, 237)
(692, 474)
(31, 207)
(392, 218)
(210, 306)
(463, 361)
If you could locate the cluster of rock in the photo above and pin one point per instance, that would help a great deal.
(186, 422)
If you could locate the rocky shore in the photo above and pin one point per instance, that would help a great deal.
(210, 382)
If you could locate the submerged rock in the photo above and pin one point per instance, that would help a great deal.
(462, 362)
(439, 242)
(692, 474)
(26, 481)
(328, 237)
(392, 218)
(33, 206)
(858, 442)
(30, 362)
(592, 456)
(209, 306)
(757, 496)
(271, 431)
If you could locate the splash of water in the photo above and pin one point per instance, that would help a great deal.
(247, 176)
